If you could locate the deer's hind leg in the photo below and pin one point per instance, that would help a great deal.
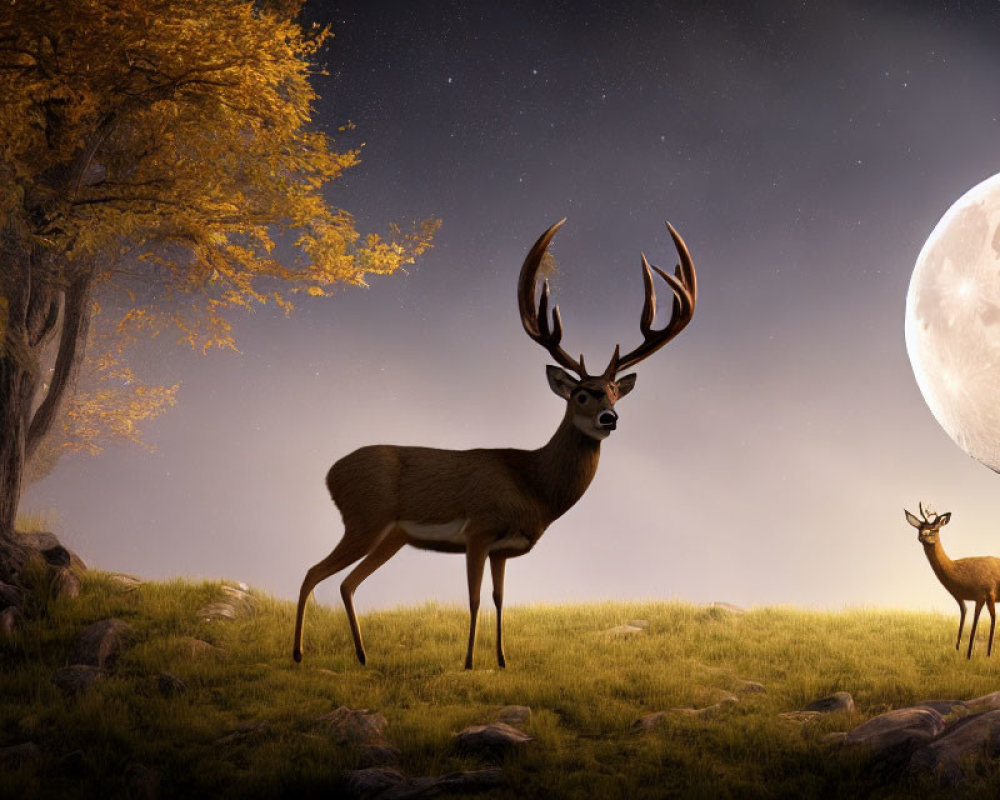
(388, 545)
(350, 548)
(975, 622)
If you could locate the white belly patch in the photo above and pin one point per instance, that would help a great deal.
(453, 532)
(513, 542)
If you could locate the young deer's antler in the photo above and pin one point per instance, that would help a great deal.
(536, 321)
(684, 284)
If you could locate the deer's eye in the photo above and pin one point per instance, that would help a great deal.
(581, 398)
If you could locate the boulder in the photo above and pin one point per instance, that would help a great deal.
(951, 754)
(354, 726)
(77, 679)
(19, 754)
(236, 602)
(490, 741)
(986, 702)
(373, 781)
(10, 595)
(943, 707)
(477, 780)
(903, 728)
(102, 643)
(11, 621)
(378, 755)
(839, 701)
(65, 583)
(47, 545)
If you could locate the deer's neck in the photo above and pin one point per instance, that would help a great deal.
(943, 566)
(564, 467)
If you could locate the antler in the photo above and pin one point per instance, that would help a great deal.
(684, 284)
(924, 514)
(535, 321)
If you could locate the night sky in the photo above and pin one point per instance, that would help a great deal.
(803, 150)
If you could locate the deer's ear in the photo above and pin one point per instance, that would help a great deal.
(625, 385)
(944, 519)
(560, 381)
(912, 519)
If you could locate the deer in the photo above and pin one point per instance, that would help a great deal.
(491, 504)
(976, 578)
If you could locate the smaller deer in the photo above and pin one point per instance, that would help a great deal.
(965, 579)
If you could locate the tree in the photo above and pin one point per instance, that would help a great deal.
(162, 148)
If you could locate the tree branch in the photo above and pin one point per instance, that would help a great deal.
(76, 321)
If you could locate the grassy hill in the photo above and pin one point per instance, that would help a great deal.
(241, 718)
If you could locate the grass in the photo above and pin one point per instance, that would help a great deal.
(584, 687)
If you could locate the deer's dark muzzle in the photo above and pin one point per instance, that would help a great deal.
(607, 420)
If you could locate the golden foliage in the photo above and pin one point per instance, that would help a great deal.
(167, 147)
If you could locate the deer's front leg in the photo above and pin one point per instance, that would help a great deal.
(497, 564)
(961, 624)
(475, 563)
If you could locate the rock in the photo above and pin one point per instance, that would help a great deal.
(833, 738)
(950, 755)
(455, 782)
(839, 701)
(19, 754)
(638, 623)
(77, 679)
(986, 702)
(516, 716)
(65, 583)
(236, 602)
(128, 583)
(490, 741)
(373, 781)
(10, 595)
(801, 717)
(11, 621)
(943, 707)
(379, 755)
(47, 545)
(197, 648)
(169, 685)
(214, 611)
(245, 732)
(354, 726)
(897, 730)
(102, 643)
(621, 631)
(708, 712)
(750, 687)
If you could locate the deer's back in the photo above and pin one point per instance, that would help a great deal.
(974, 575)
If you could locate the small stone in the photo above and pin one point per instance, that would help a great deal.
(490, 741)
(244, 732)
(65, 583)
(730, 607)
(19, 754)
(128, 583)
(77, 679)
(951, 756)
(638, 623)
(750, 687)
(197, 648)
(901, 728)
(354, 726)
(622, 631)
(169, 685)
(102, 643)
(839, 701)
(517, 716)
(477, 780)
(216, 611)
(379, 755)
(373, 781)
(11, 621)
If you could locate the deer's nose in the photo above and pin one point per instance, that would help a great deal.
(607, 419)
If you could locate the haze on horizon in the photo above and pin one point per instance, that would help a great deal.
(803, 152)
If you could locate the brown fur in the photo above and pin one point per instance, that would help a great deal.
(976, 579)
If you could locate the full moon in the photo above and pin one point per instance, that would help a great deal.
(953, 322)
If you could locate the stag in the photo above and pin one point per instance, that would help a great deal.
(491, 504)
